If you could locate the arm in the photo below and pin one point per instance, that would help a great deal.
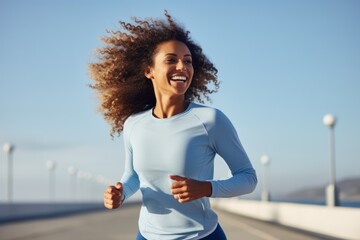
(129, 179)
(226, 143)
(114, 196)
(224, 140)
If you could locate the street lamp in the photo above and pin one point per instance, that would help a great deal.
(101, 182)
(88, 176)
(331, 191)
(72, 172)
(9, 149)
(81, 176)
(265, 195)
(51, 165)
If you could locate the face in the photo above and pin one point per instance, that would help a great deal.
(172, 69)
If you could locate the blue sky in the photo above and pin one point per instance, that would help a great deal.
(282, 64)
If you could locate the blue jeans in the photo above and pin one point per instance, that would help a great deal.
(218, 234)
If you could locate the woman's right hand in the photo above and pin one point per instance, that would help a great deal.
(113, 196)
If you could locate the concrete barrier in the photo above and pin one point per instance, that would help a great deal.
(340, 222)
(28, 211)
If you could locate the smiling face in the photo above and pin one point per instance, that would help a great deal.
(172, 70)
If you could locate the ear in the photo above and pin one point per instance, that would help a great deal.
(148, 72)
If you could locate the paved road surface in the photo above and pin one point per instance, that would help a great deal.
(122, 224)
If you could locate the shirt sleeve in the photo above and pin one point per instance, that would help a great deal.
(129, 179)
(225, 142)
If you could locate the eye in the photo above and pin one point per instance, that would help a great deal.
(170, 60)
(188, 61)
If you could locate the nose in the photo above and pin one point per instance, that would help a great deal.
(181, 66)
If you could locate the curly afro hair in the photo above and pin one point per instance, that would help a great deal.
(119, 76)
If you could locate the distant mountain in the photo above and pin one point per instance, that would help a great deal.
(349, 190)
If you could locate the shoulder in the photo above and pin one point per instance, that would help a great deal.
(209, 116)
(132, 120)
(206, 112)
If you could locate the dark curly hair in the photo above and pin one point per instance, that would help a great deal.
(119, 73)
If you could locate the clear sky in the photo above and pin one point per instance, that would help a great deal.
(283, 65)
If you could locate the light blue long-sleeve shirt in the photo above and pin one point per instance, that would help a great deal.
(185, 145)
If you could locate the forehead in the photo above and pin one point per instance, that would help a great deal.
(174, 47)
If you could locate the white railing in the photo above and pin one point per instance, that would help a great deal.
(340, 222)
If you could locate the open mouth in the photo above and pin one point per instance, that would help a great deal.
(178, 78)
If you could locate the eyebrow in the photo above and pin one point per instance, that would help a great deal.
(175, 55)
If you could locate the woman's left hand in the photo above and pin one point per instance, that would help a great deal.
(187, 189)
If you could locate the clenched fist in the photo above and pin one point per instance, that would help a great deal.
(113, 196)
(187, 189)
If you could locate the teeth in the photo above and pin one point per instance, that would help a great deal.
(178, 78)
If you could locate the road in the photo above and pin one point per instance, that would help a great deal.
(122, 224)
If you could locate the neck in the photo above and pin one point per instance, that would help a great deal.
(168, 107)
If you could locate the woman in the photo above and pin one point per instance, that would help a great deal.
(148, 77)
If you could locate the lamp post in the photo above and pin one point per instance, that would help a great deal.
(102, 182)
(88, 177)
(331, 191)
(81, 176)
(9, 149)
(265, 195)
(72, 172)
(51, 165)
